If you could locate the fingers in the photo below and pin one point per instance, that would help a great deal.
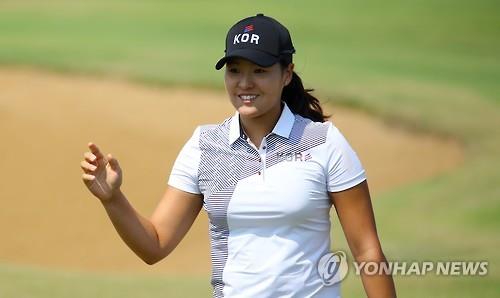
(90, 157)
(95, 158)
(113, 162)
(87, 167)
(88, 177)
(100, 160)
(95, 150)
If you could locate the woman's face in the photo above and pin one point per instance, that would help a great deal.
(253, 90)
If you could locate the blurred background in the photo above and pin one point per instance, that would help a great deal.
(413, 85)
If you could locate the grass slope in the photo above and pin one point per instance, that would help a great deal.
(27, 282)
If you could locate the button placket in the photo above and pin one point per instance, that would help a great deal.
(253, 154)
(262, 154)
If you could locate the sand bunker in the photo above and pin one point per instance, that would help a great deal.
(48, 218)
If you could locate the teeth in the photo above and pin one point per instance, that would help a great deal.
(248, 97)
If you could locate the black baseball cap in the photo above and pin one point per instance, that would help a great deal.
(259, 39)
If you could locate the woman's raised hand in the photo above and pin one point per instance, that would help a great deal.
(102, 174)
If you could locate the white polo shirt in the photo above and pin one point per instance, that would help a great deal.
(268, 207)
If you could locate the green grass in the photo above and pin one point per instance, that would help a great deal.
(26, 282)
(429, 65)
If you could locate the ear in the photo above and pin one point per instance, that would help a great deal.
(288, 74)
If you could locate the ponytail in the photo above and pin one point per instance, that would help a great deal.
(300, 101)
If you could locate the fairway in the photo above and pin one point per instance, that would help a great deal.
(144, 128)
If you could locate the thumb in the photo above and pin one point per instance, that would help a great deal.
(113, 162)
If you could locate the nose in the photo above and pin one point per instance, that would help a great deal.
(246, 81)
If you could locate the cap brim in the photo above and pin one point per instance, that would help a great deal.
(260, 58)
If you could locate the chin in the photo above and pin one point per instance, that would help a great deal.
(248, 111)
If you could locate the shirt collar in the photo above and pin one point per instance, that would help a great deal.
(282, 128)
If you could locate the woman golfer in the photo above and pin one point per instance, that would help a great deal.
(267, 178)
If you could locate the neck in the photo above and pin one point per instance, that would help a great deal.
(259, 127)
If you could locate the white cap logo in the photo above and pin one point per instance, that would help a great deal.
(245, 37)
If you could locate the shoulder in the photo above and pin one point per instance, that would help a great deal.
(305, 127)
(303, 121)
(208, 132)
(211, 128)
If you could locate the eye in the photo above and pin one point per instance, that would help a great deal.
(260, 70)
(232, 70)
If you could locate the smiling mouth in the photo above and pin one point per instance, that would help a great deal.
(248, 97)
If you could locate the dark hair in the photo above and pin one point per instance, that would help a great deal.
(299, 100)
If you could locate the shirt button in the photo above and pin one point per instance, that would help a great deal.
(263, 147)
(259, 172)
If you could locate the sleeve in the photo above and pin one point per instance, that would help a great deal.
(344, 167)
(184, 174)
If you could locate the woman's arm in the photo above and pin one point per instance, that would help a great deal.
(155, 238)
(151, 239)
(355, 213)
